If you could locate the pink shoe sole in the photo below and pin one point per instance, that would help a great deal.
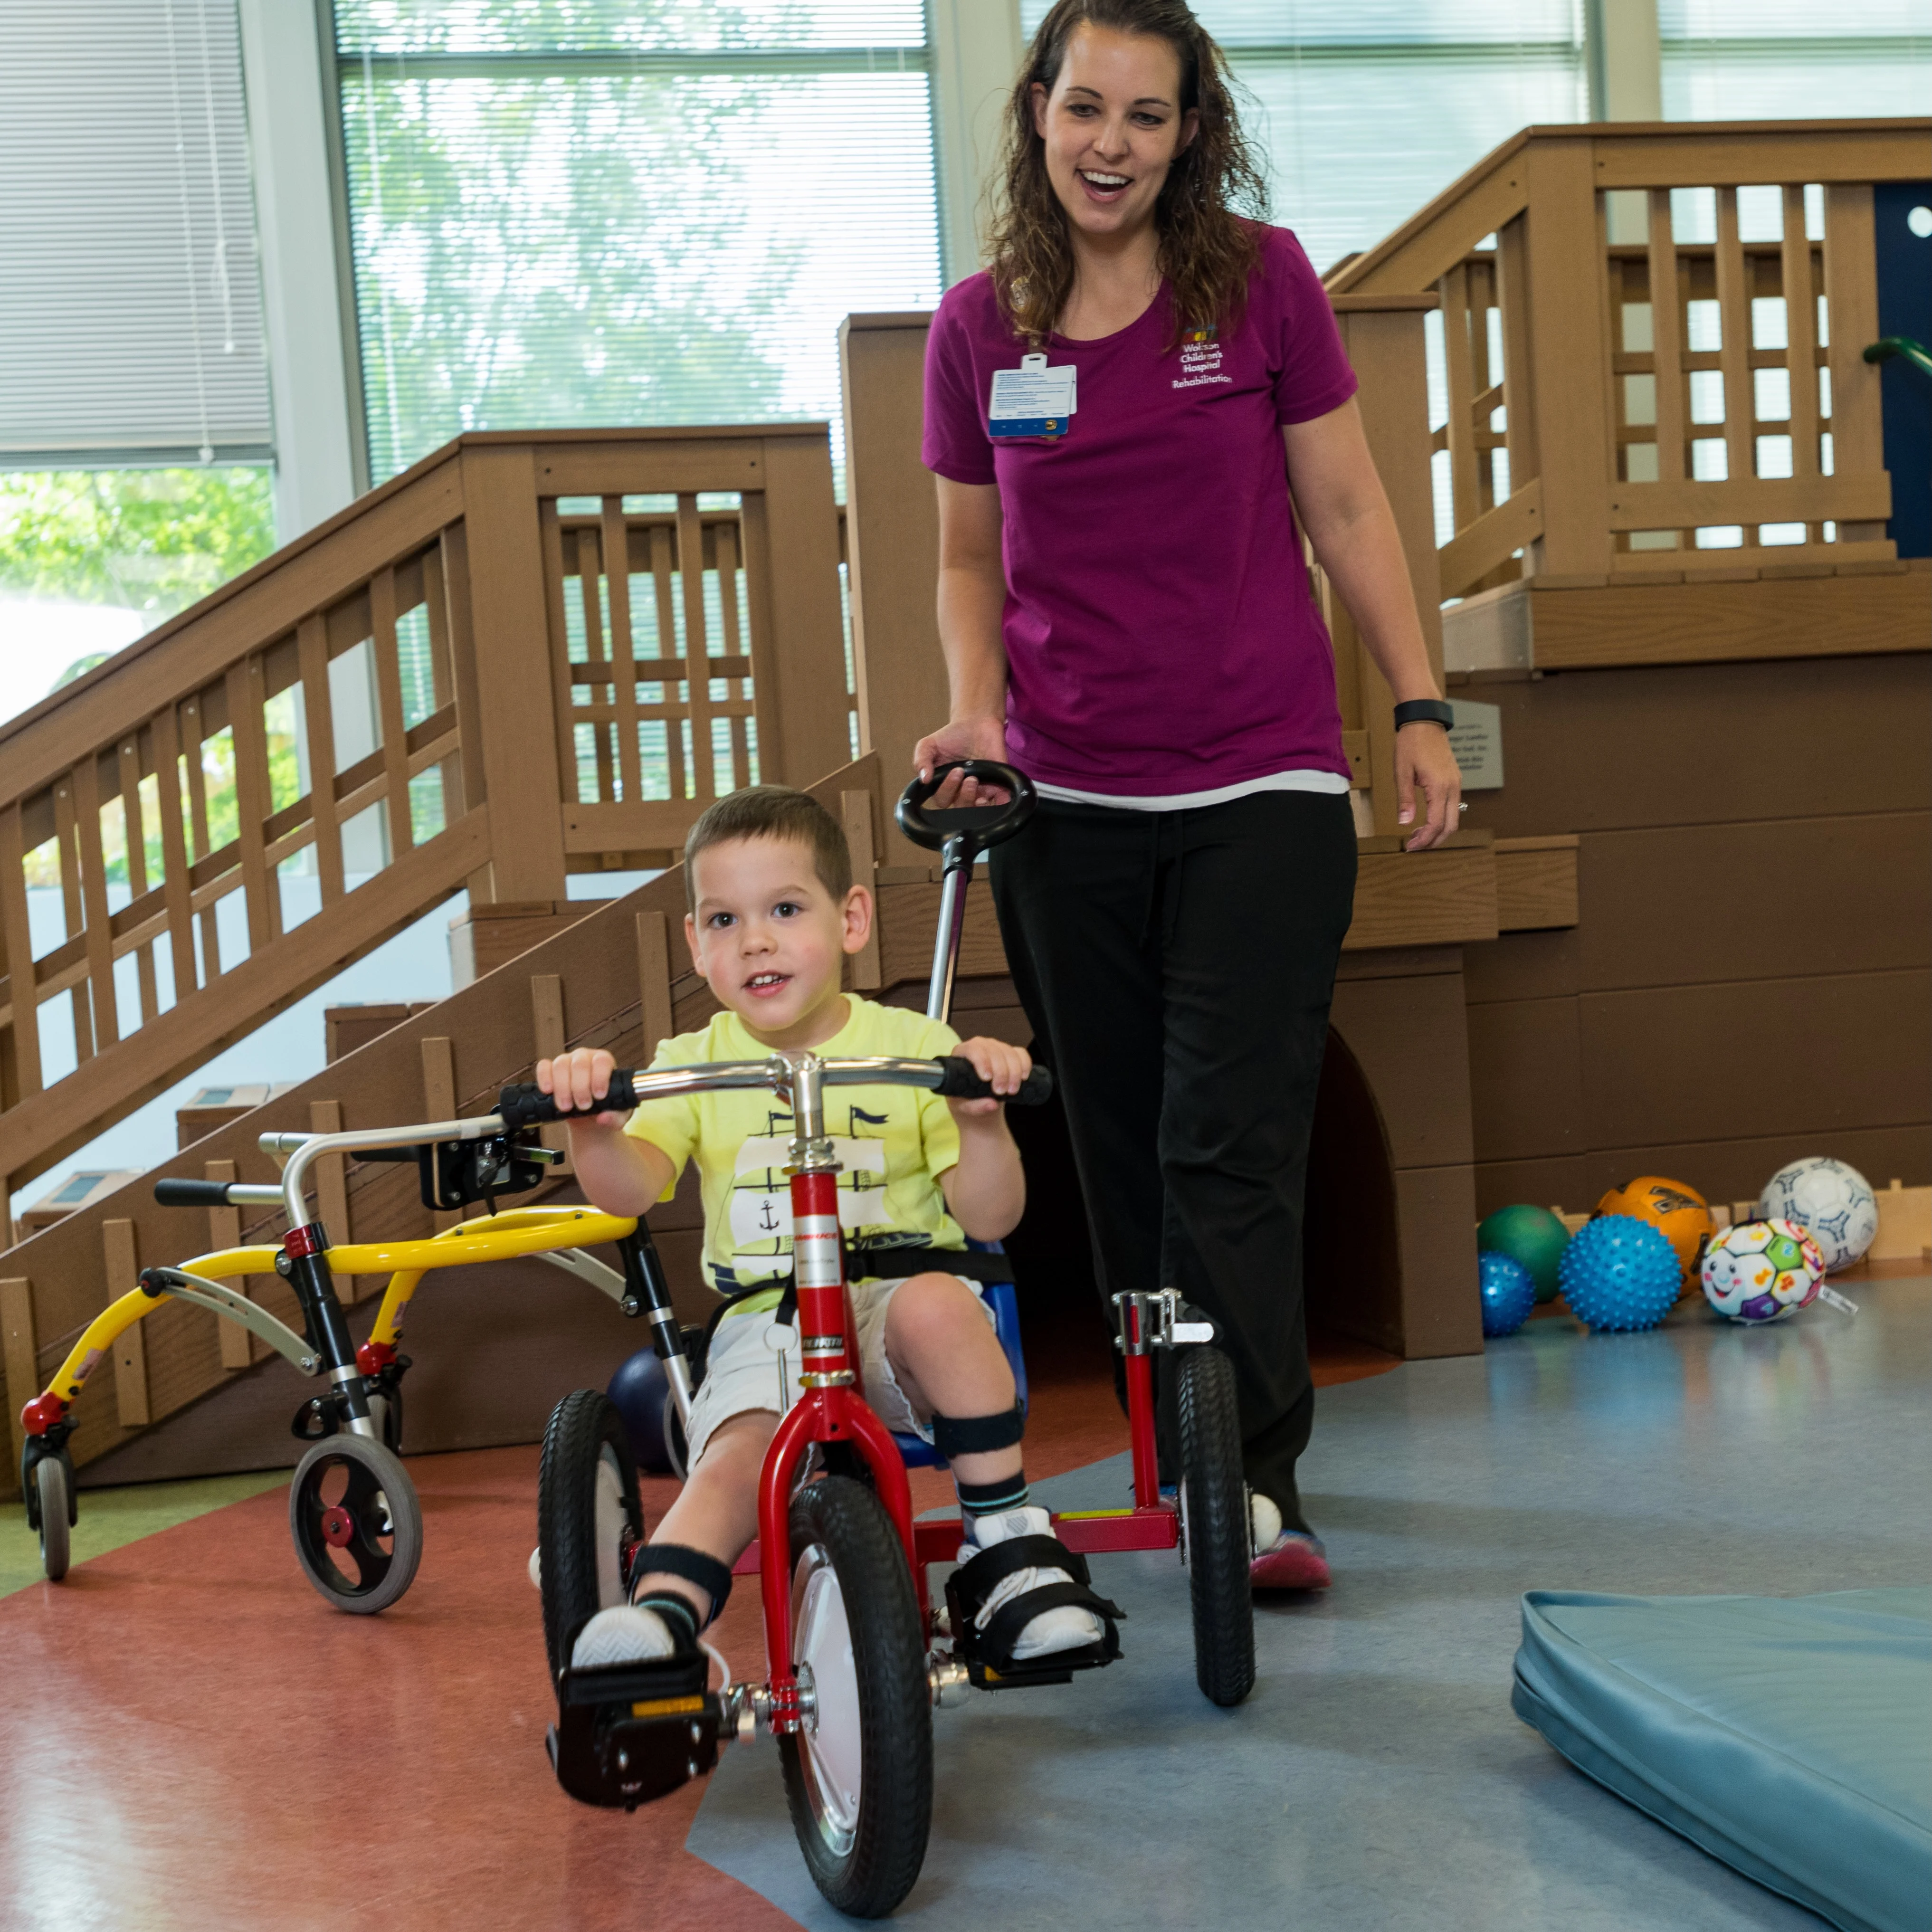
(1298, 1564)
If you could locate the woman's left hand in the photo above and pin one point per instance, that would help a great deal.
(1423, 758)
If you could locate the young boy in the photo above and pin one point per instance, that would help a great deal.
(773, 913)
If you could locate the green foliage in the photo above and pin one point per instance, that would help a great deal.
(153, 541)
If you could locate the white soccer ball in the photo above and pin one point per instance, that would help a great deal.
(1832, 1202)
(1762, 1271)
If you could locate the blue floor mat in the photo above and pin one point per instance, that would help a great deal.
(1790, 1737)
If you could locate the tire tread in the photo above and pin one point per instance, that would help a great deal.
(1218, 1561)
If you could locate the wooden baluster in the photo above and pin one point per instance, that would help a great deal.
(617, 547)
(175, 880)
(1482, 283)
(16, 945)
(319, 722)
(1463, 491)
(389, 705)
(92, 868)
(121, 1256)
(442, 677)
(1734, 321)
(724, 542)
(855, 813)
(696, 648)
(662, 564)
(136, 835)
(563, 696)
(331, 1192)
(1800, 339)
(1851, 297)
(67, 844)
(1666, 340)
(655, 1018)
(224, 1231)
(197, 797)
(1519, 400)
(438, 1066)
(602, 679)
(20, 1352)
(260, 889)
(551, 1040)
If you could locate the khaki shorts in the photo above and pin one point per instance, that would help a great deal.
(754, 1364)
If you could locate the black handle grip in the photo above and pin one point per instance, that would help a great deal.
(962, 1082)
(526, 1104)
(192, 1193)
(980, 826)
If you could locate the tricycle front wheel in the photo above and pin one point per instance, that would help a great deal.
(858, 1773)
(1214, 1519)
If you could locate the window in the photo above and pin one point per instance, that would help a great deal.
(1771, 60)
(613, 211)
(1367, 109)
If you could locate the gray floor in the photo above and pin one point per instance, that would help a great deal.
(1377, 1778)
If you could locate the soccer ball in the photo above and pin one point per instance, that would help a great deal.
(1832, 1202)
(1762, 1271)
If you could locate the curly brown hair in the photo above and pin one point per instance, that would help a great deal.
(1207, 249)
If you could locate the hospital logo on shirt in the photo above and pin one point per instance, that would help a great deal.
(1200, 360)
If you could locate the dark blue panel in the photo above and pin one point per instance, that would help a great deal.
(1905, 308)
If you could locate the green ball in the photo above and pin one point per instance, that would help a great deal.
(1534, 1237)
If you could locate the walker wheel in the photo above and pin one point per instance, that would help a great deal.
(53, 1490)
(356, 1523)
(858, 1773)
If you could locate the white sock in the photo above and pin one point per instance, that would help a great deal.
(1066, 1627)
(1264, 1521)
(625, 1633)
(536, 1568)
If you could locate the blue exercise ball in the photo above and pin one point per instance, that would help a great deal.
(1508, 1292)
(640, 1391)
(1619, 1273)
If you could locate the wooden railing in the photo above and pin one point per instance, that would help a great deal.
(1598, 434)
(446, 686)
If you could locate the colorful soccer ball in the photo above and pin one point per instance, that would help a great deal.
(1677, 1211)
(1508, 1291)
(1831, 1201)
(1619, 1273)
(1762, 1271)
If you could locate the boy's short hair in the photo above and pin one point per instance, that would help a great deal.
(772, 812)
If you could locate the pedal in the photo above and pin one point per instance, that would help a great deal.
(626, 1733)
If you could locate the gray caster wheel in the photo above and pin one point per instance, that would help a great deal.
(53, 1488)
(356, 1523)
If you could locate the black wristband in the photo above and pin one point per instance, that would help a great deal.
(1425, 711)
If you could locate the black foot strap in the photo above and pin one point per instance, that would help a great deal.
(693, 1566)
(974, 1582)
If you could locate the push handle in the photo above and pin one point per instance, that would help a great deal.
(960, 1081)
(979, 827)
(525, 1104)
(193, 1193)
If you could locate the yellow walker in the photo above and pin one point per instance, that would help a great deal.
(353, 1512)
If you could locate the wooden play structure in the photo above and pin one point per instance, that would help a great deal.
(432, 693)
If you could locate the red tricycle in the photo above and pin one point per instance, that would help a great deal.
(857, 1653)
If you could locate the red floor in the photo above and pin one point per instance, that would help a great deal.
(193, 1739)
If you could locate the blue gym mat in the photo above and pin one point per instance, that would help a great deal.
(1790, 1737)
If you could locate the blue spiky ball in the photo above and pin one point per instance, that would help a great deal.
(1508, 1292)
(1619, 1273)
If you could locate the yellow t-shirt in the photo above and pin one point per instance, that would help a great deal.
(894, 1142)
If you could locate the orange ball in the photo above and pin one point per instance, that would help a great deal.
(1678, 1213)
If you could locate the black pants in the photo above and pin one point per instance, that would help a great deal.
(1178, 968)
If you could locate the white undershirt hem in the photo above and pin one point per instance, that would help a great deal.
(1186, 801)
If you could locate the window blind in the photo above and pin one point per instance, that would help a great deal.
(130, 313)
(611, 212)
(1774, 60)
(1367, 109)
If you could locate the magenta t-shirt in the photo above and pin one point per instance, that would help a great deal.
(1159, 634)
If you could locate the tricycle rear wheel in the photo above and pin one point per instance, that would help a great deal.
(1214, 1517)
(590, 1517)
(858, 1776)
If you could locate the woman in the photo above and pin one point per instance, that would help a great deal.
(1126, 617)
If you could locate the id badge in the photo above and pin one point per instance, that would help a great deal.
(1032, 401)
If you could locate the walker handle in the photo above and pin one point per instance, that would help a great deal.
(977, 828)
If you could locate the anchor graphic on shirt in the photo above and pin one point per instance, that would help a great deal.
(761, 1197)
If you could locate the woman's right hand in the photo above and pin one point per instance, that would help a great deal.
(953, 744)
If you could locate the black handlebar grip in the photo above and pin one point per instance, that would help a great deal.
(982, 826)
(192, 1193)
(526, 1104)
(962, 1082)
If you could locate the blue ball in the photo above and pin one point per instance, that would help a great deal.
(1619, 1273)
(640, 1391)
(1508, 1292)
